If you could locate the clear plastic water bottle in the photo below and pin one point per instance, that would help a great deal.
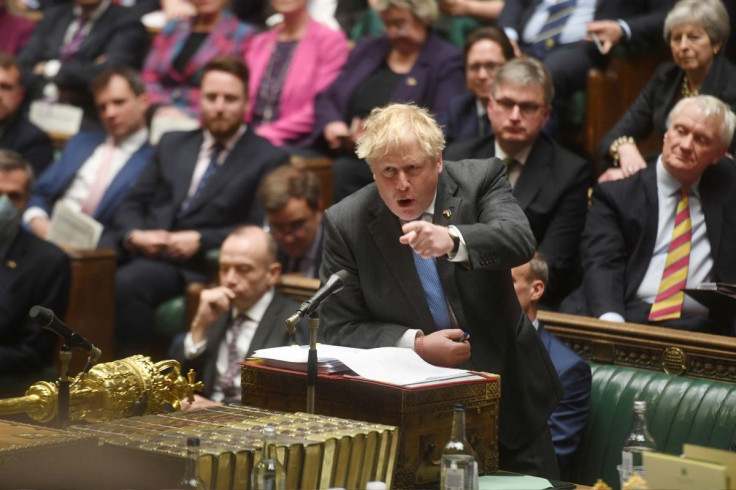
(269, 474)
(637, 442)
(459, 465)
(191, 477)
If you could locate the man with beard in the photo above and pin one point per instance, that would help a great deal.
(199, 186)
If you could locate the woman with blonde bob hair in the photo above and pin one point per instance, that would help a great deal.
(696, 31)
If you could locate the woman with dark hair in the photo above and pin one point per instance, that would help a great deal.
(696, 31)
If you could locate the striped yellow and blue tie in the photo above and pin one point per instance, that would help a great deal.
(668, 304)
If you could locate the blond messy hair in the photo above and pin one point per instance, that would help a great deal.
(399, 130)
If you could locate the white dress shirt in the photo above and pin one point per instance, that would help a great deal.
(254, 315)
(80, 187)
(701, 261)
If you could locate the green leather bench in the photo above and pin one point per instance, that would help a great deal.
(679, 410)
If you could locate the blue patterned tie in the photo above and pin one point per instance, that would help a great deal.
(427, 270)
(208, 173)
(549, 36)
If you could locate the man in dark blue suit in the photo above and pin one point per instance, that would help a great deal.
(17, 133)
(292, 199)
(197, 188)
(98, 168)
(73, 43)
(486, 49)
(567, 422)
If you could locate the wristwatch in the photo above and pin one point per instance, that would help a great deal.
(455, 235)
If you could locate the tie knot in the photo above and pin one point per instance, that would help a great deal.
(510, 162)
(685, 191)
(217, 147)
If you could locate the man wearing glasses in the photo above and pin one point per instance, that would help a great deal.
(292, 199)
(550, 182)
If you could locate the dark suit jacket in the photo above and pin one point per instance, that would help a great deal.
(271, 332)
(553, 192)
(644, 17)
(285, 260)
(226, 202)
(619, 237)
(117, 36)
(33, 272)
(567, 422)
(437, 74)
(58, 177)
(383, 295)
(462, 118)
(24, 137)
(650, 109)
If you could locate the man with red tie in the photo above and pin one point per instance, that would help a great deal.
(667, 228)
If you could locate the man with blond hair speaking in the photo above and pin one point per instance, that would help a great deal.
(428, 248)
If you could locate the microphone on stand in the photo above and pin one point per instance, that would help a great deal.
(47, 320)
(334, 284)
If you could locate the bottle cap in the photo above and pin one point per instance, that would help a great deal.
(193, 441)
(459, 406)
(640, 405)
(375, 485)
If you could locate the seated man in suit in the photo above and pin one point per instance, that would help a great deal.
(198, 187)
(668, 227)
(571, 37)
(244, 313)
(567, 422)
(98, 168)
(32, 272)
(74, 42)
(292, 199)
(550, 182)
(17, 133)
(486, 49)
(428, 248)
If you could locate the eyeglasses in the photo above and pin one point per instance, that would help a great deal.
(526, 109)
(291, 228)
(489, 66)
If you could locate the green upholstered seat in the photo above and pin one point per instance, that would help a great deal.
(679, 410)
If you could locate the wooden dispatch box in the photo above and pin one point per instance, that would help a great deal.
(423, 415)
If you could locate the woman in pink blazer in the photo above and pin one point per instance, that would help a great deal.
(289, 65)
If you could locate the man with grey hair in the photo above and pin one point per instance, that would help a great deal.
(428, 248)
(550, 182)
(666, 228)
(32, 272)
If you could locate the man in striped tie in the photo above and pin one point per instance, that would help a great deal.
(668, 228)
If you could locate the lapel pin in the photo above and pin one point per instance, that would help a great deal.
(11, 264)
(447, 213)
(411, 81)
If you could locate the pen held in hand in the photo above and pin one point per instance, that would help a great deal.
(463, 338)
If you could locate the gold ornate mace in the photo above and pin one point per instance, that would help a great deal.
(131, 386)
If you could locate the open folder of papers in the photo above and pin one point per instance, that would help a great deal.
(390, 365)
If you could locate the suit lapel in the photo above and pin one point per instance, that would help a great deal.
(650, 218)
(124, 179)
(445, 214)
(215, 336)
(534, 173)
(187, 157)
(385, 230)
(712, 199)
(222, 177)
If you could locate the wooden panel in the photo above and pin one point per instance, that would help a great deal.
(322, 167)
(91, 311)
(678, 352)
(610, 92)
